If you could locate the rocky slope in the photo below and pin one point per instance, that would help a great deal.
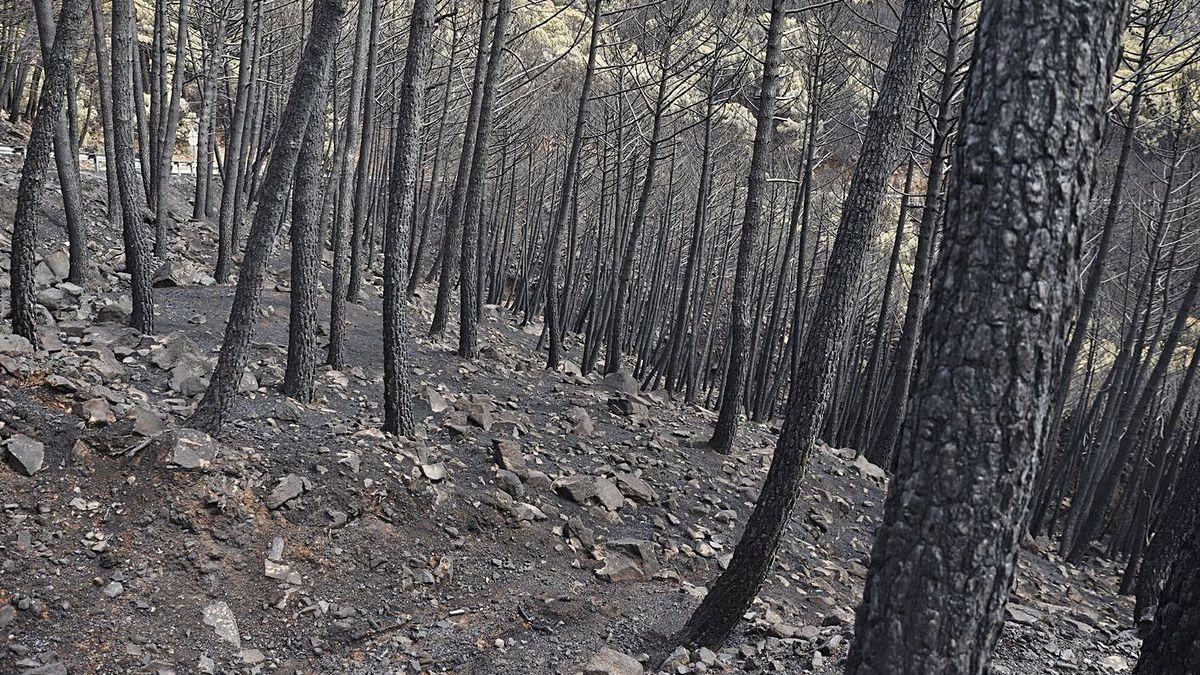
(539, 523)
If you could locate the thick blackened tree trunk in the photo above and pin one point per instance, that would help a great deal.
(1176, 521)
(728, 599)
(301, 103)
(397, 408)
(554, 322)
(739, 313)
(1032, 121)
(66, 154)
(31, 189)
(133, 206)
(307, 199)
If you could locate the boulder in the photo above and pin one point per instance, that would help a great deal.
(172, 273)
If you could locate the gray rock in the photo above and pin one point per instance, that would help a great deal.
(192, 449)
(15, 345)
(578, 489)
(115, 312)
(54, 299)
(26, 454)
(623, 382)
(508, 455)
(290, 487)
(97, 412)
(635, 488)
(611, 662)
(608, 494)
(173, 273)
(221, 618)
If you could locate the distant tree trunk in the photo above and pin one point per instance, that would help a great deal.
(359, 244)
(347, 140)
(31, 189)
(739, 314)
(104, 75)
(170, 126)
(134, 214)
(206, 138)
(398, 414)
(452, 229)
(235, 140)
(435, 179)
(733, 591)
(944, 557)
(66, 155)
(881, 451)
(307, 199)
(553, 301)
(627, 242)
(468, 309)
(211, 412)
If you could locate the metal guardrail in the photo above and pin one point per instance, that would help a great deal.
(95, 161)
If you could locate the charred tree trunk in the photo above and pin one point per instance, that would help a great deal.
(553, 300)
(31, 189)
(307, 199)
(134, 214)
(235, 350)
(66, 154)
(398, 414)
(728, 599)
(944, 557)
(739, 313)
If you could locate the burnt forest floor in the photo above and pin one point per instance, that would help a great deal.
(312, 542)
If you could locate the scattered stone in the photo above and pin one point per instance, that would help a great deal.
(290, 487)
(508, 456)
(98, 413)
(1022, 614)
(434, 472)
(221, 618)
(578, 489)
(608, 494)
(172, 273)
(15, 345)
(611, 662)
(437, 402)
(26, 454)
(635, 488)
(622, 382)
(868, 470)
(192, 449)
